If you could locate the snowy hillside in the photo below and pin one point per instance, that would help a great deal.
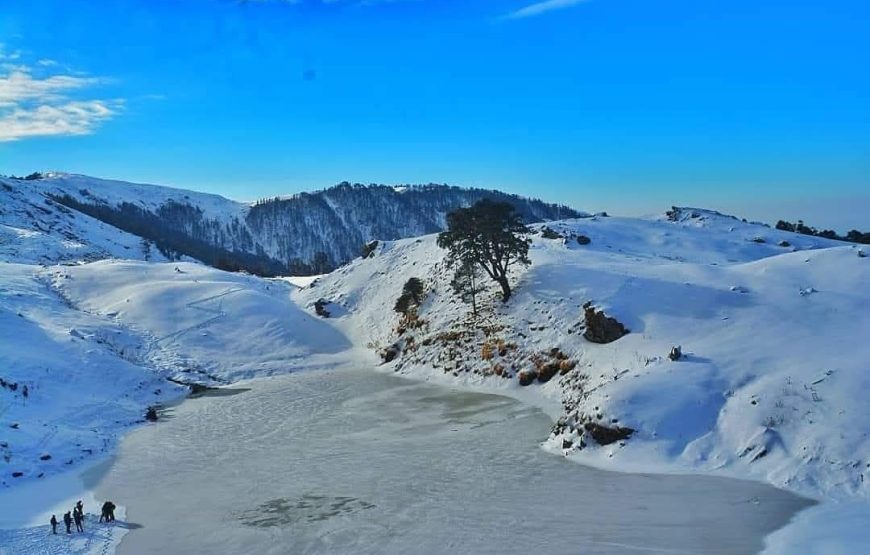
(772, 327)
(305, 233)
(87, 348)
(774, 375)
(35, 229)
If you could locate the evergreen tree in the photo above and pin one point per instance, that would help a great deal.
(489, 234)
(467, 283)
(411, 297)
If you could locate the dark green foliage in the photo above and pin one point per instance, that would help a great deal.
(489, 234)
(466, 283)
(853, 236)
(320, 308)
(414, 289)
(411, 297)
(173, 243)
(549, 233)
(340, 219)
(858, 237)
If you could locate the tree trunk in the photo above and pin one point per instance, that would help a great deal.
(505, 288)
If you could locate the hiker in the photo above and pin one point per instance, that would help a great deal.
(111, 512)
(53, 524)
(78, 517)
(80, 507)
(67, 520)
(104, 514)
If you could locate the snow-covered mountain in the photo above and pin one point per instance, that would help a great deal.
(305, 233)
(772, 325)
(34, 229)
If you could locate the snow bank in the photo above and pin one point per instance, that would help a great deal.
(774, 376)
(77, 383)
(771, 386)
(203, 324)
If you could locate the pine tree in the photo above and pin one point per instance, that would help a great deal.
(467, 283)
(490, 234)
(411, 297)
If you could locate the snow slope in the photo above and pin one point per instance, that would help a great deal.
(772, 386)
(193, 318)
(774, 382)
(308, 232)
(84, 385)
(37, 230)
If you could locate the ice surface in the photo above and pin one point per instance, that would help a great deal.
(363, 462)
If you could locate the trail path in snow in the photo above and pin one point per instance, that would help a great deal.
(98, 538)
(216, 313)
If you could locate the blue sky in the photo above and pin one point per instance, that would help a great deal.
(757, 107)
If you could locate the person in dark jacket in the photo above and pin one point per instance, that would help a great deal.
(53, 524)
(111, 511)
(67, 520)
(80, 507)
(104, 512)
(78, 517)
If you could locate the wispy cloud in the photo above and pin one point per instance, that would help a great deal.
(539, 8)
(35, 104)
(69, 118)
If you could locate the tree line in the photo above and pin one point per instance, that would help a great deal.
(853, 236)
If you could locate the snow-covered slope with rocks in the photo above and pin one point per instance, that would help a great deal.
(774, 375)
(772, 325)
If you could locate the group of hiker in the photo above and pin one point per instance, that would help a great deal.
(77, 516)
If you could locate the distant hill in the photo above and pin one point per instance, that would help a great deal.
(306, 233)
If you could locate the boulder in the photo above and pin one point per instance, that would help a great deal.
(390, 353)
(601, 328)
(527, 377)
(320, 308)
(604, 435)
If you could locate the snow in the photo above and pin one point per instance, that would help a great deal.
(773, 385)
(84, 385)
(828, 529)
(354, 461)
(191, 314)
(36, 230)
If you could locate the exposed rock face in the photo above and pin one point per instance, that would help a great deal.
(320, 308)
(676, 353)
(604, 435)
(527, 377)
(601, 328)
(368, 249)
(390, 353)
(583, 240)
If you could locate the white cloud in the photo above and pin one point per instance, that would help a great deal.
(41, 106)
(543, 7)
(69, 118)
(19, 86)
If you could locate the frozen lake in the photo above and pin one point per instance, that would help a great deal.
(361, 462)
